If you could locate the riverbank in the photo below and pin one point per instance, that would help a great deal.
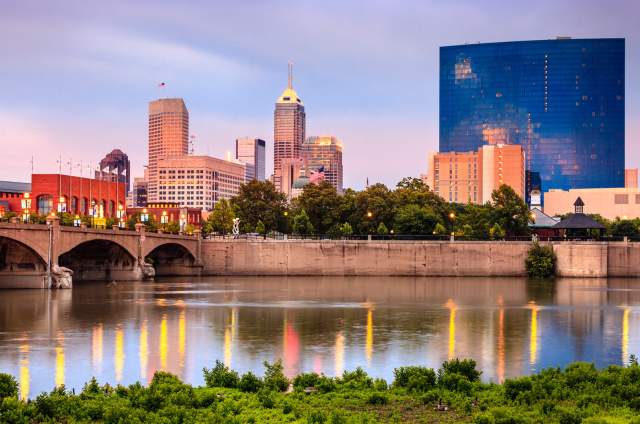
(453, 393)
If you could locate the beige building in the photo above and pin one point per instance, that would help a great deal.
(324, 153)
(290, 170)
(631, 178)
(198, 181)
(168, 136)
(611, 203)
(471, 177)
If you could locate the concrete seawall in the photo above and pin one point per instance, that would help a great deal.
(393, 258)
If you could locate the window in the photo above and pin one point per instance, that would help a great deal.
(45, 204)
(621, 199)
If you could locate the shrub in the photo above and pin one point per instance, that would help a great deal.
(512, 388)
(274, 378)
(220, 376)
(8, 386)
(302, 381)
(377, 399)
(464, 367)
(540, 261)
(418, 379)
(250, 383)
(357, 379)
(380, 384)
(266, 398)
(316, 417)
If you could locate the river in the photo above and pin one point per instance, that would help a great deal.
(123, 333)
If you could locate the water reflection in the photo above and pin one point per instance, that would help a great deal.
(509, 326)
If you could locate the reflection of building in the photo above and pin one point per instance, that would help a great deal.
(168, 135)
(611, 203)
(532, 183)
(324, 154)
(198, 181)
(62, 193)
(115, 167)
(288, 129)
(562, 100)
(631, 178)
(251, 152)
(139, 196)
(471, 177)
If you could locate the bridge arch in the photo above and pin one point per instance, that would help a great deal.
(172, 258)
(16, 255)
(100, 259)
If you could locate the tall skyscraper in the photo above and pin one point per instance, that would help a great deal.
(115, 167)
(168, 136)
(288, 128)
(562, 100)
(251, 152)
(324, 154)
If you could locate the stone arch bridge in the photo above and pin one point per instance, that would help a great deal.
(33, 255)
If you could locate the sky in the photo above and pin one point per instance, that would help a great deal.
(76, 76)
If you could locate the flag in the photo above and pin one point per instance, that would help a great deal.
(162, 84)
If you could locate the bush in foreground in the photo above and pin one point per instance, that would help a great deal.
(453, 393)
(540, 261)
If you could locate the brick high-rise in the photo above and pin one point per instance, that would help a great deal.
(168, 136)
(288, 129)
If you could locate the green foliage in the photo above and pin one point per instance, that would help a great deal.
(250, 383)
(346, 229)
(415, 219)
(625, 227)
(579, 393)
(496, 232)
(540, 261)
(8, 386)
(419, 379)
(302, 224)
(321, 204)
(260, 228)
(274, 378)
(259, 201)
(220, 220)
(382, 229)
(439, 230)
(510, 211)
(220, 376)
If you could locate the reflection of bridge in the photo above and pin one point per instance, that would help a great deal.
(34, 255)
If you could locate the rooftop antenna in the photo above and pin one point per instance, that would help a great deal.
(192, 143)
(290, 84)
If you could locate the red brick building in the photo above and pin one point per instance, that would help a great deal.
(11, 196)
(172, 213)
(76, 195)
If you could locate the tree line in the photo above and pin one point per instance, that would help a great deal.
(411, 208)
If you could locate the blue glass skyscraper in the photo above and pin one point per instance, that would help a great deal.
(562, 100)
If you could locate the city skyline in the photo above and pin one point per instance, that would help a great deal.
(79, 83)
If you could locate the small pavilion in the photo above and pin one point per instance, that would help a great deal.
(578, 225)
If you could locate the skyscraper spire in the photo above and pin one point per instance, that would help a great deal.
(290, 84)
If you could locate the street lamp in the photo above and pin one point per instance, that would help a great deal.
(26, 215)
(77, 221)
(164, 219)
(183, 222)
(120, 213)
(369, 214)
(122, 224)
(452, 217)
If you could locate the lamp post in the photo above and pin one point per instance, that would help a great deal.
(452, 218)
(62, 204)
(164, 219)
(183, 222)
(77, 221)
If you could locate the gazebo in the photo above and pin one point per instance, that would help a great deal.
(579, 225)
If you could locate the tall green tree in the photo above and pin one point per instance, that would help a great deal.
(510, 211)
(220, 220)
(373, 206)
(415, 219)
(321, 203)
(259, 201)
(302, 224)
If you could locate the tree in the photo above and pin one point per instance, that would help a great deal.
(415, 219)
(510, 211)
(624, 227)
(220, 220)
(301, 223)
(261, 229)
(322, 205)
(382, 229)
(440, 230)
(345, 229)
(496, 232)
(259, 201)
(373, 206)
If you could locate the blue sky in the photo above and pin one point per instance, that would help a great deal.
(76, 76)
